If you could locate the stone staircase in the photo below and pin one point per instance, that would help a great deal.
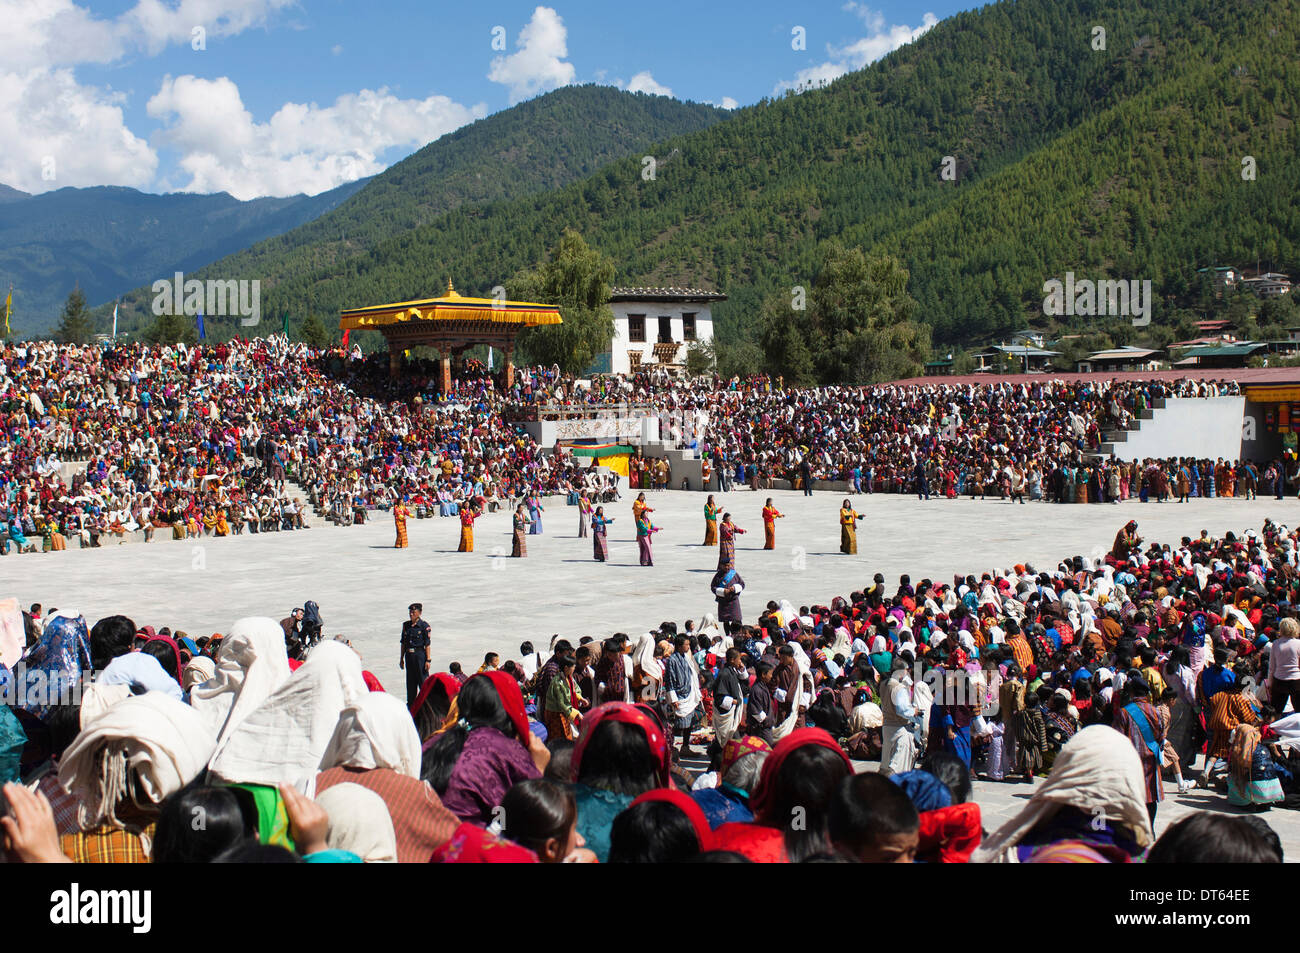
(1110, 438)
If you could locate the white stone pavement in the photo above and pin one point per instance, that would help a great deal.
(485, 600)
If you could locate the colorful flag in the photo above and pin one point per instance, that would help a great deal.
(9, 307)
(489, 357)
(202, 332)
(346, 332)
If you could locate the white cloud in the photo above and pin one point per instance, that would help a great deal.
(538, 65)
(336, 49)
(729, 103)
(50, 124)
(643, 82)
(881, 41)
(303, 147)
(49, 33)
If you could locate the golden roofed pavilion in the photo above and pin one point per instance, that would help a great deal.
(451, 324)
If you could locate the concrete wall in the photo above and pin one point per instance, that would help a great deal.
(1191, 426)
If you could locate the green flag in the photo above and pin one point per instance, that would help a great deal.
(285, 318)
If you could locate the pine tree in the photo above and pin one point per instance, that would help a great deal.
(313, 331)
(76, 326)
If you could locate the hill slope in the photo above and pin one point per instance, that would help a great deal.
(110, 239)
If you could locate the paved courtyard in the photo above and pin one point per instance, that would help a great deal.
(486, 600)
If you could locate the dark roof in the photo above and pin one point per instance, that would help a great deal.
(665, 294)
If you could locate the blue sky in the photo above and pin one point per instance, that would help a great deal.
(290, 96)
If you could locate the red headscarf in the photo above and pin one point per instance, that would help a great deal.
(761, 800)
(628, 715)
(688, 806)
(512, 699)
(473, 845)
(445, 679)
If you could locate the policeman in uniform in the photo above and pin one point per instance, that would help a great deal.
(417, 652)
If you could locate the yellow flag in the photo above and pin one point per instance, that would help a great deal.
(9, 306)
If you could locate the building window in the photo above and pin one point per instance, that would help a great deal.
(688, 327)
(636, 328)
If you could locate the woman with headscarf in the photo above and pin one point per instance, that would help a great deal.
(1092, 807)
(849, 528)
(791, 801)
(711, 512)
(488, 749)
(374, 744)
(1126, 542)
(122, 766)
(623, 752)
(647, 670)
(741, 764)
(252, 664)
(359, 823)
(431, 705)
(283, 739)
(535, 510)
(599, 535)
(662, 826)
(62, 656)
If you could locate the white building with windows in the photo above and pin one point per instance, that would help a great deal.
(655, 326)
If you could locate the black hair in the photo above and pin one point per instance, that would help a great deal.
(111, 637)
(719, 857)
(952, 771)
(559, 767)
(526, 648)
(801, 795)
(432, 711)
(251, 852)
(653, 832)
(866, 807)
(537, 810)
(198, 823)
(618, 759)
(1206, 838)
(480, 706)
(165, 655)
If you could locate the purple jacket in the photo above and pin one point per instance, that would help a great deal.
(490, 764)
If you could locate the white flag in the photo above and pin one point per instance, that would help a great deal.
(114, 320)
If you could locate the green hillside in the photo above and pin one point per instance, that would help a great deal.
(1123, 162)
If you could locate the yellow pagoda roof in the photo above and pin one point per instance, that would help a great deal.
(451, 307)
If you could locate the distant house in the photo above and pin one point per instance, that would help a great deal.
(1224, 276)
(655, 326)
(1221, 356)
(1030, 358)
(1125, 358)
(938, 368)
(1270, 284)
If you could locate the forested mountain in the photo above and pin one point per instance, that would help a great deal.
(109, 239)
(1120, 162)
(536, 146)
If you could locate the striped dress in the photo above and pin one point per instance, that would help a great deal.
(1127, 725)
